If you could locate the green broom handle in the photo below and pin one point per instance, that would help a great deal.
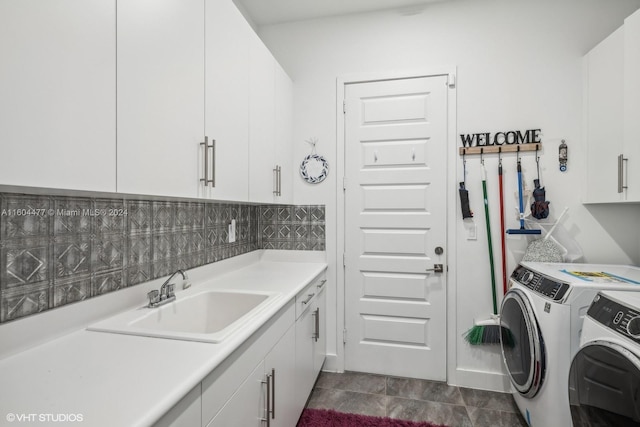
(486, 217)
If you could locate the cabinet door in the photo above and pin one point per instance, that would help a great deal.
(280, 362)
(261, 122)
(160, 96)
(247, 406)
(284, 134)
(227, 97)
(604, 111)
(631, 148)
(57, 94)
(320, 343)
(304, 357)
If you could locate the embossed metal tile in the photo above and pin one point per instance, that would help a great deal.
(163, 216)
(138, 216)
(24, 262)
(107, 252)
(110, 216)
(24, 216)
(24, 301)
(72, 216)
(71, 256)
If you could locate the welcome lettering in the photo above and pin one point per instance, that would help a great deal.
(530, 136)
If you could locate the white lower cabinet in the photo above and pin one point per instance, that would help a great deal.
(267, 380)
(247, 406)
(229, 393)
(266, 393)
(280, 366)
(310, 339)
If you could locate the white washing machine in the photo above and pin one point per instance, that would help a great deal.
(604, 380)
(541, 318)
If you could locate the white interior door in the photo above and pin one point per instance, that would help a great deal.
(395, 219)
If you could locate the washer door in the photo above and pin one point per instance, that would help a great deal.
(604, 386)
(522, 343)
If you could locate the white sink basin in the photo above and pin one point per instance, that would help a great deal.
(208, 316)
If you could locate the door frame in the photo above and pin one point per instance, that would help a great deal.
(451, 191)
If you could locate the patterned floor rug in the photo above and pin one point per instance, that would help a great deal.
(331, 418)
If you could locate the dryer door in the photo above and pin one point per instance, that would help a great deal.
(522, 343)
(604, 386)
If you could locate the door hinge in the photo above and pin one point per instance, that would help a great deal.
(344, 336)
(344, 260)
(344, 107)
(451, 80)
(344, 184)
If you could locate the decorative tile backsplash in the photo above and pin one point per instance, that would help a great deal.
(292, 227)
(55, 250)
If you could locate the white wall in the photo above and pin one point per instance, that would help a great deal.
(518, 67)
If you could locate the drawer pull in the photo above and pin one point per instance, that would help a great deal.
(309, 298)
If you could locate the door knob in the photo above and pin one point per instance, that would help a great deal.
(437, 268)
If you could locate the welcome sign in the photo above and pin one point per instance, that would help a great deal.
(513, 137)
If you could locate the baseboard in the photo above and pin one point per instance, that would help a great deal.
(492, 381)
(331, 364)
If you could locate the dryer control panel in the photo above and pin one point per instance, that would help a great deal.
(616, 316)
(540, 284)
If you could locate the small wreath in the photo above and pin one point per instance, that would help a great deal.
(314, 169)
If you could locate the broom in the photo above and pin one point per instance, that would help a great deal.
(487, 331)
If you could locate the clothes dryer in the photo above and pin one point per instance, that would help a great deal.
(541, 317)
(604, 379)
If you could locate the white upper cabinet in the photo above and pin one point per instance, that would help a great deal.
(631, 149)
(612, 97)
(227, 98)
(58, 94)
(160, 97)
(604, 92)
(262, 95)
(284, 135)
(270, 127)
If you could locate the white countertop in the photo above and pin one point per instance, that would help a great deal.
(124, 380)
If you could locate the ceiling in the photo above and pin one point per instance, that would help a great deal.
(267, 12)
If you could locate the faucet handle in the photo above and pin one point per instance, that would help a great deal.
(154, 296)
(170, 290)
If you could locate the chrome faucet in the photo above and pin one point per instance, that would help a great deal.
(166, 293)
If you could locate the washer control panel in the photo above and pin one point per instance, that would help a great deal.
(614, 315)
(540, 284)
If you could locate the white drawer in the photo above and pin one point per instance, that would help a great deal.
(305, 297)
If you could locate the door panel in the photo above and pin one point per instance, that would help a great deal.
(395, 161)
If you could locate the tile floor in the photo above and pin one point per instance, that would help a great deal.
(412, 399)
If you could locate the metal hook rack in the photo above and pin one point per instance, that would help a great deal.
(490, 149)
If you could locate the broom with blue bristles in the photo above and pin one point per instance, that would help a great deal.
(487, 331)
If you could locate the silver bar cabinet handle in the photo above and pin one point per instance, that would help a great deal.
(317, 334)
(206, 179)
(309, 298)
(277, 173)
(213, 166)
(267, 418)
(621, 160)
(275, 181)
(273, 393)
(206, 160)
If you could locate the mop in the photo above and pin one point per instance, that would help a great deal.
(521, 230)
(487, 331)
(545, 250)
